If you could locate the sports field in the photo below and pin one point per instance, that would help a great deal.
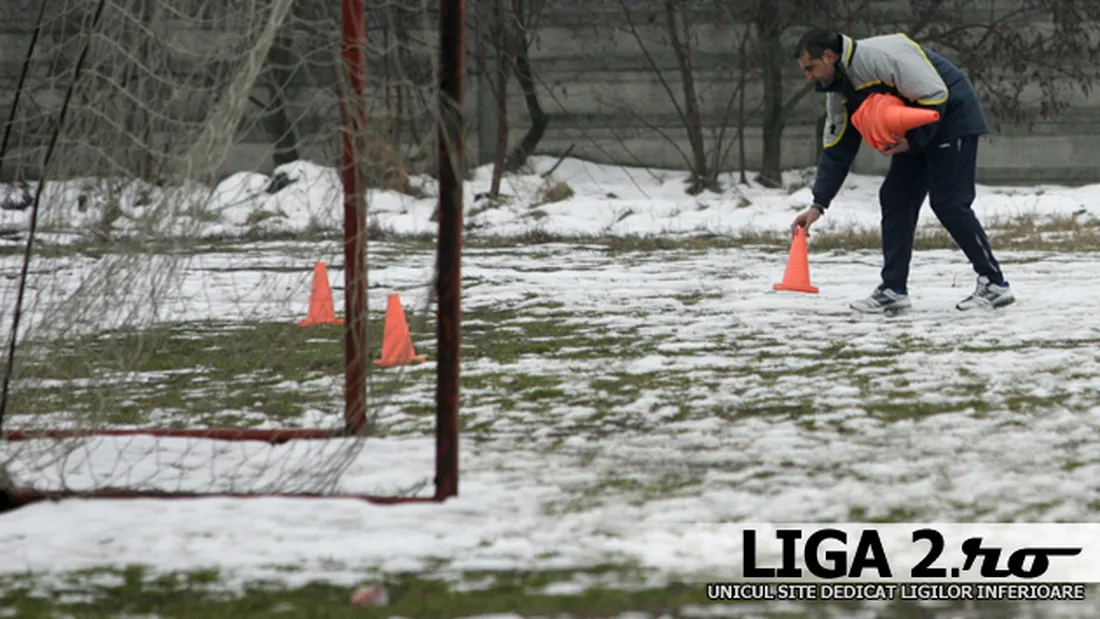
(630, 381)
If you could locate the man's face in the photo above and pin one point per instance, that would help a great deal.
(821, 70)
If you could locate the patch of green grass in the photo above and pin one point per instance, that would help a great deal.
(131, 592)
(527, 386)
(666, 485)
(188, 595)
(210, 373)
(189, 373)
(506, 335)
(691, 299)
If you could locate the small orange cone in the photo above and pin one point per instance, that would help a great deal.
(321, 309)
(397, 345)
(797, 276)
(881, 115)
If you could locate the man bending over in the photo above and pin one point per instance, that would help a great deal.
(937, 160)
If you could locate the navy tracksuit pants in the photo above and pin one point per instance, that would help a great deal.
(946, 173)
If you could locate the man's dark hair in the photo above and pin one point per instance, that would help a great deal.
(816, 41)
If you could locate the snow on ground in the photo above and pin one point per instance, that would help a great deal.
(739, 404)
(821, 446)
(607, 199)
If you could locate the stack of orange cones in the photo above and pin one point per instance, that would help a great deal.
(322, 311)
(397, 345)
(797, 276)
(882, 116)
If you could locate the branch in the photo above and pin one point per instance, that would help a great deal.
(652, 63)
(989, 28)
(795, 99)
(659, 131)
(750, 114)
(547, 173)
(599, 144)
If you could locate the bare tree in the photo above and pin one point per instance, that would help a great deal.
(500, 31)
(742, 108)
(703, 176)
(526, 14)
(771, 26)
(7, 485)
(282, 67)
(1026, 57)
(1008, 49)
(677, 20)
(506, 31)
(306, 55)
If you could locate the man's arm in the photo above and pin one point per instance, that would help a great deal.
(841, 144)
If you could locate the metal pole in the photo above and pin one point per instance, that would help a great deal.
(354, 123)
(452, 22)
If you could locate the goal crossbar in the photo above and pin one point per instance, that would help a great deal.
(274, 437)
(13, 499)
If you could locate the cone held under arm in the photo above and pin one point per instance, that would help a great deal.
(868, 119)
(797, 276)
(881, 116)
(899, 118)
(863, 121)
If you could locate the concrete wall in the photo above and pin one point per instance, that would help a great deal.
(606, 98)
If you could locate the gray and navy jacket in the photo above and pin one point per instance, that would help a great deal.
(897, 65)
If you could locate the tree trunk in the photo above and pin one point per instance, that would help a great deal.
(774, 115)
(693, 117)
(277, 120)
(742, 113)
(286, 137)
(771, 173)
(7, 484)
(503, 65)
(411, 104)
(539, 119)
(502, 129)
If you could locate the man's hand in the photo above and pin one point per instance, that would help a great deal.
(901, 144)
(805, 220)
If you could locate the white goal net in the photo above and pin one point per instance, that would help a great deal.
(191, 217)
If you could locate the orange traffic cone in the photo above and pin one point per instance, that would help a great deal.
(321, 309)
(397, 345)
(867, 121)
(899, 118)
(883, 115)
(797, 276)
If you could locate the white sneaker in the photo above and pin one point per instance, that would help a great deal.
(882, 301)
(987, 295)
